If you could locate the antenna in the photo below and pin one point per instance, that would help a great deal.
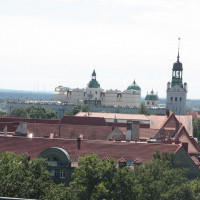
(178, 48)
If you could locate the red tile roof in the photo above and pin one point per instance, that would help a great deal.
(93, 121)
(11, 126)
(127, 150)
(28, 120)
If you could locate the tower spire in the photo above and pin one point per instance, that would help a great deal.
(178, 49)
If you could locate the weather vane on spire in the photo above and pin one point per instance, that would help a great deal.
(178, 48)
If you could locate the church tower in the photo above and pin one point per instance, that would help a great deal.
(176, 90)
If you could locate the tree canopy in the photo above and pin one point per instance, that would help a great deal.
(143, 110)
(97, 179)
(21, 178)
(77, 109)
(34, 112)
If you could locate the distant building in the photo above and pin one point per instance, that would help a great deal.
(94, 94)
(176, 90)
(151, 100)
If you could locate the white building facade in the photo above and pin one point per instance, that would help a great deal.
(94, 94)
(176, 90)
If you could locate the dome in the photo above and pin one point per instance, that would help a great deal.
(133, 86)
(177, 66)
(152, 96)
(93, 84)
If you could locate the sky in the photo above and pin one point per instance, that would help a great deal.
(48, 43)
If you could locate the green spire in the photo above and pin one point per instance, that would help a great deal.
(93, 83)
(94, 73)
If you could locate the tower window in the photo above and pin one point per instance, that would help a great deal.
(175, 98)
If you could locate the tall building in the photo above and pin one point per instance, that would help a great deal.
(176, 90)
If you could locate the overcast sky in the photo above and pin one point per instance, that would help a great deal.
(47, 43)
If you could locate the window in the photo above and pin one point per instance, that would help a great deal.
(153, 103)
(180, 99)
(52, 172)
(147, 102)
(62, 173)
(171, 98)
(175, 98)
(96, 92)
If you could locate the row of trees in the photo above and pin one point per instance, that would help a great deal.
(48, 113)
(34, 112)
(97, 179)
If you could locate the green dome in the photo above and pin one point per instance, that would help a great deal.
(133, 86)
(152, 96)
(93, 83)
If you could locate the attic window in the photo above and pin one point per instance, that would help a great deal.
(122, 163)
(129, 163)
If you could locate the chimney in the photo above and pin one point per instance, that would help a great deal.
(185, 146)
(128, 130)
(78, 140)
(5, 131)
(167, 112)
(132, 130)
(135, 134)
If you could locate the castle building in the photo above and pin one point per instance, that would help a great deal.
(151, 100)
(176, 90)
(94, 94)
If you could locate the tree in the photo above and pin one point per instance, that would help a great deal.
(34, 112)
(2, 113)
(19, 112)
(92, 179)
(143, 109)
(159, 179)
(117, 109)
(21, 178)
(77, 109)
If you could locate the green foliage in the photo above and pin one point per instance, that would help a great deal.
(21, 178)
(143, 109)
(2, 113)
(159, 179)
(34, 112)
(117, 110)
(77, 109)
(196, 128)
(97, 179)
(93, 178)
(19, 112)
